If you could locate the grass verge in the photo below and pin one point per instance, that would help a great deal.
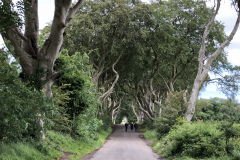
(52, 148)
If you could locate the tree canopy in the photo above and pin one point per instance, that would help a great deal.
(158, 46)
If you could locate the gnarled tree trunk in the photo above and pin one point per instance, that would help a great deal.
(33, 60)
(37, 64)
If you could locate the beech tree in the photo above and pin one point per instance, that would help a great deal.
(111, 32)
(36, 62)
(206, 59)
(168, 62)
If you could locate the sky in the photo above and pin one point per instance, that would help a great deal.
(227, 15)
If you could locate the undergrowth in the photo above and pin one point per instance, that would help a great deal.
(199, 140)
(52, 147)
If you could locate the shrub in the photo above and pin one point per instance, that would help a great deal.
(61, 119)
(231, 134)
(21, 108)
(150, 134)
(174, 107)
(87, 125)
(105, 119)
(81, 96)
(147, 124)
(196, 140)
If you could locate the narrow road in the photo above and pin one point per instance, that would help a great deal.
(122, 145)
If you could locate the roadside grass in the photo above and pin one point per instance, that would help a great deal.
(20, 151)
(78, 148)
(52, 148)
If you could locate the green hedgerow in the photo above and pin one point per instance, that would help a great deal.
(196, 140)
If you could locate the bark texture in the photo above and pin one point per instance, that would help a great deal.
(37, 61)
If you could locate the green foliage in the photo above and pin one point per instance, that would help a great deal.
(61, 118)
(147, 124)
(151, 134)
(52, 147)
(173, 109)
(79, 98)
(86, 125)
(76, 71)
(9, 16)
(196, 140)
(21, 151)
(78, 147)
(44, 34)
(21, 108)
(126, 111)
(231, 132)
(217, 109)
(105, 119)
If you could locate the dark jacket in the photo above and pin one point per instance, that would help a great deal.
(135, 125)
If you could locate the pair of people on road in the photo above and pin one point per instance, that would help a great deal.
(135, 126)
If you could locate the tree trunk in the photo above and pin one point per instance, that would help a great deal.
(110, 90)
(34, 62)
(205, 64)
(38, 64)
(192, 100)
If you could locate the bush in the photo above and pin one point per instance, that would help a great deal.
(196, 140)
(147, 124)
(105, 119)
(61, 119)
(231, 134)
(174, 107)
(21, 108)
(150, 134)
(87, 125)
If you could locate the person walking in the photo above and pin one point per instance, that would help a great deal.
(126, 126)
(132, 126)
(136, 126)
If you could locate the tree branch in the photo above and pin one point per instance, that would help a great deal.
(205, 34)
(31, 28)
(141, 108)
(73, 11)
(25, 60)
(107, 93)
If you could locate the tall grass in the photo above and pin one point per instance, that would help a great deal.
(52, 148)
(79, 147)
(21, 151)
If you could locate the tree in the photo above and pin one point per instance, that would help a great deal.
(37, 63)
(22, 108)
(205, 59)
(217, 109)
(168, 62)
(111, 32)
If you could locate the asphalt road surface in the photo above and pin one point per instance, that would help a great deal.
(122, 145)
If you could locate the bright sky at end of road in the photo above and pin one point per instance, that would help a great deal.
(227, 15)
